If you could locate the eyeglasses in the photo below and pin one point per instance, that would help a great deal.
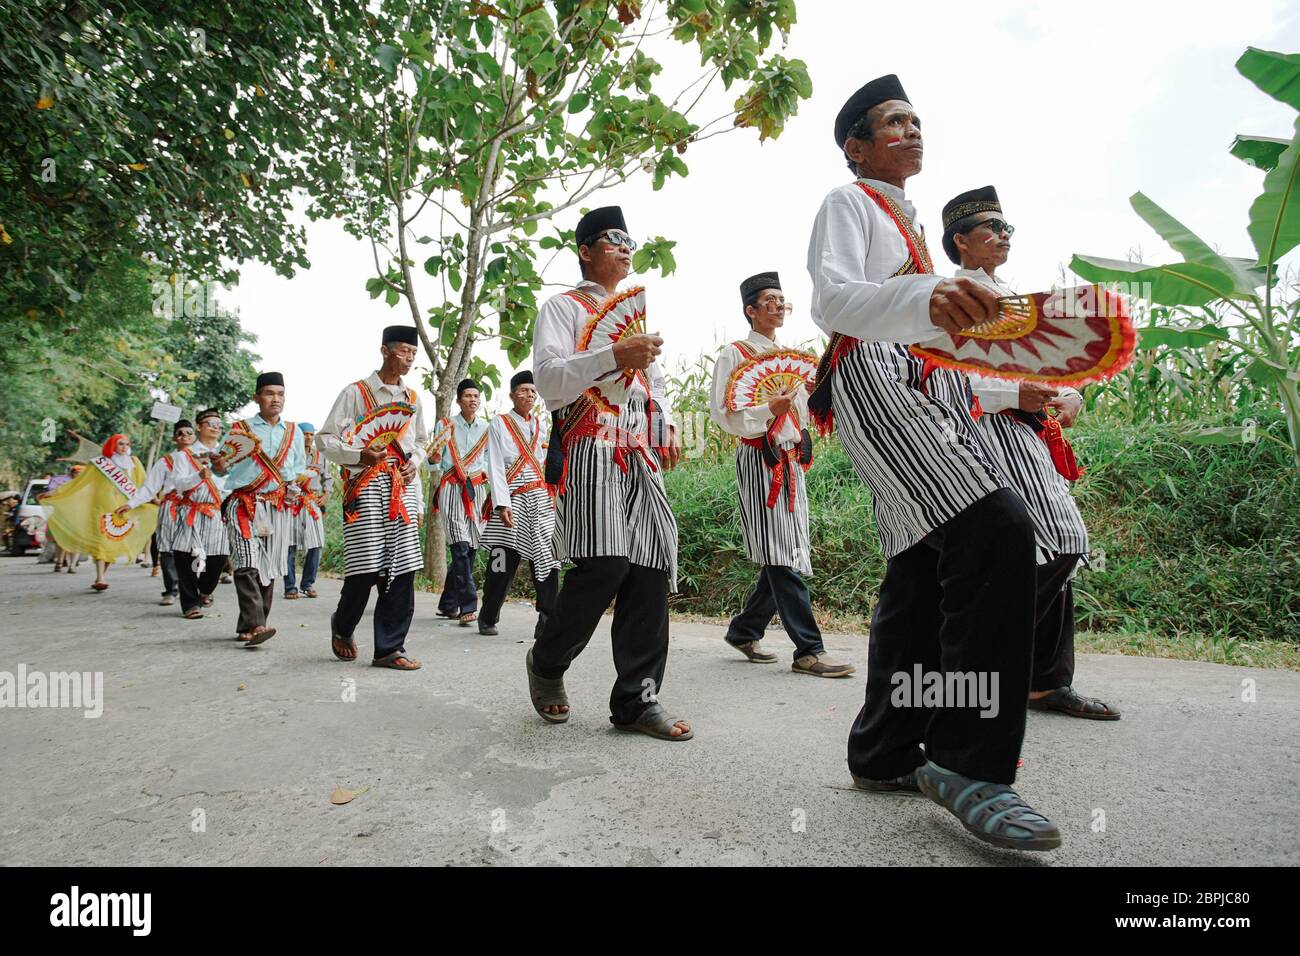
(999, 226)
(776, 305)
(616, 238)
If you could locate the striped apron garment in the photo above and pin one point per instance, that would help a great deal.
(460, 508)
(199, 530)
(531, 503)
(308, 517)
(612, 501)
(907, 426)
(380, 532)
(773, 501)
(258, 520)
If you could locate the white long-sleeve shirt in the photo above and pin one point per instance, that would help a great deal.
(349, 406)
(750, 422)
(502, 451)
(185, 477)
(157, 481)
(560, 371)
(853, 238)
(998, 394)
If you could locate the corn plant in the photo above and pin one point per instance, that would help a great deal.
(1250, 314)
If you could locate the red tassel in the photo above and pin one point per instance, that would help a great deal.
(1062, 454)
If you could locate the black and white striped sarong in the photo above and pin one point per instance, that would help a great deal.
(920, 453)
(456, 525)
(267, 554)
(374, 543)
(775, 535)
(533, 535)
(1027, 462)
(607, 512)
(309, 530)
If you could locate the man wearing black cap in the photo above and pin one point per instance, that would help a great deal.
(957, 601)
(613, 520)
(459, 498)
(381, 506)
(1026, 440)
(522, 522)
(260, 491)
(774, 450)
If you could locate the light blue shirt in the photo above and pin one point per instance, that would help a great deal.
(248, 471)
(467, 436)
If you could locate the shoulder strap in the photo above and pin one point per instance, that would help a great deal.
(526, 455)
(745, 348)
(918, 253)
(584, 299)
(367, 396)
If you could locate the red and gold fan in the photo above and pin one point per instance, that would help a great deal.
(380, 427)
(620, 316)
(758, 380)
(1067, 337)
(238, 446)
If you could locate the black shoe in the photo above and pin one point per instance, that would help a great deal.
(488, 629)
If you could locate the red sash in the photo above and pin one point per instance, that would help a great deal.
(583, 418)
(786, 457)
(246, 498)
(459, 474)
(391, 463)
(187, 499)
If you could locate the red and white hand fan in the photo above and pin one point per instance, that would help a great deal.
(238, 446)
(620, 316)
(381, 426)
(758, 380)
(1067, 337)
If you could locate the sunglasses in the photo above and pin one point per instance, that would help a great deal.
(616, 238)
(999, 226)
(776, 305)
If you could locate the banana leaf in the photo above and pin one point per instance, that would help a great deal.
(1261, 152)
(1179, 283)
(1275, 215)
(1277, 74)
(1191, 246)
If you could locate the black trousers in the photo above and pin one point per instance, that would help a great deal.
(254, 599)
(459, 596)
(1054, 634)
(640, 628)
(502, 564)
(779, 590)
(193, 585)
(960, 600)
(164, 559)
(394, 608)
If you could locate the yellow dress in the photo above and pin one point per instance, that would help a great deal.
(80, 515)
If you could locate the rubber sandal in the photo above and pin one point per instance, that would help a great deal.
(398, 662)
(336, 640)
(991, 812)
(655, 722)
(905, 783)
(546, 692)
(1067, 700)
(467, 619)
(100, 585)
(193, 614)
(261, 637)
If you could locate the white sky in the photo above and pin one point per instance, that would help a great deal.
(1066, 109)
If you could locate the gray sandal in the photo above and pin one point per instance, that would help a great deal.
(992, 812)
(546, 693)
(655, 722)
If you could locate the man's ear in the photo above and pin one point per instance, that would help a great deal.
(961, 244)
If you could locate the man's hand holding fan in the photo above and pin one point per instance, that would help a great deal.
(774, 379)
(377, 435)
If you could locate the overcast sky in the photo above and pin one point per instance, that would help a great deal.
(1066, 109)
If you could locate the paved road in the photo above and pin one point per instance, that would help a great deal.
(461, 771)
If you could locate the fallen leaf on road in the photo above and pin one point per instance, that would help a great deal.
(242, 687)
(342, 795)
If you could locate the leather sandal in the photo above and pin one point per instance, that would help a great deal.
(655, 722)
(992, 812)
(397, 662)
(1066, 700)
(546, 692)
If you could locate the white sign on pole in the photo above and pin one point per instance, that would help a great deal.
(165, 413)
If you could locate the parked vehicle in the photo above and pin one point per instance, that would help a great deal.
(28, 523)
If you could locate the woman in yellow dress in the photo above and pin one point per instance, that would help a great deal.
(80, 513)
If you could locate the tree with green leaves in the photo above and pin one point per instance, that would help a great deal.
(1254, 313)
(455, 130)
(168, 132)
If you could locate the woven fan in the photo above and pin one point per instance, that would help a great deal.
(238, 446)
(381, 426)
(115, 527)
(1067, 337)
(758, 380)
(620, 316)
